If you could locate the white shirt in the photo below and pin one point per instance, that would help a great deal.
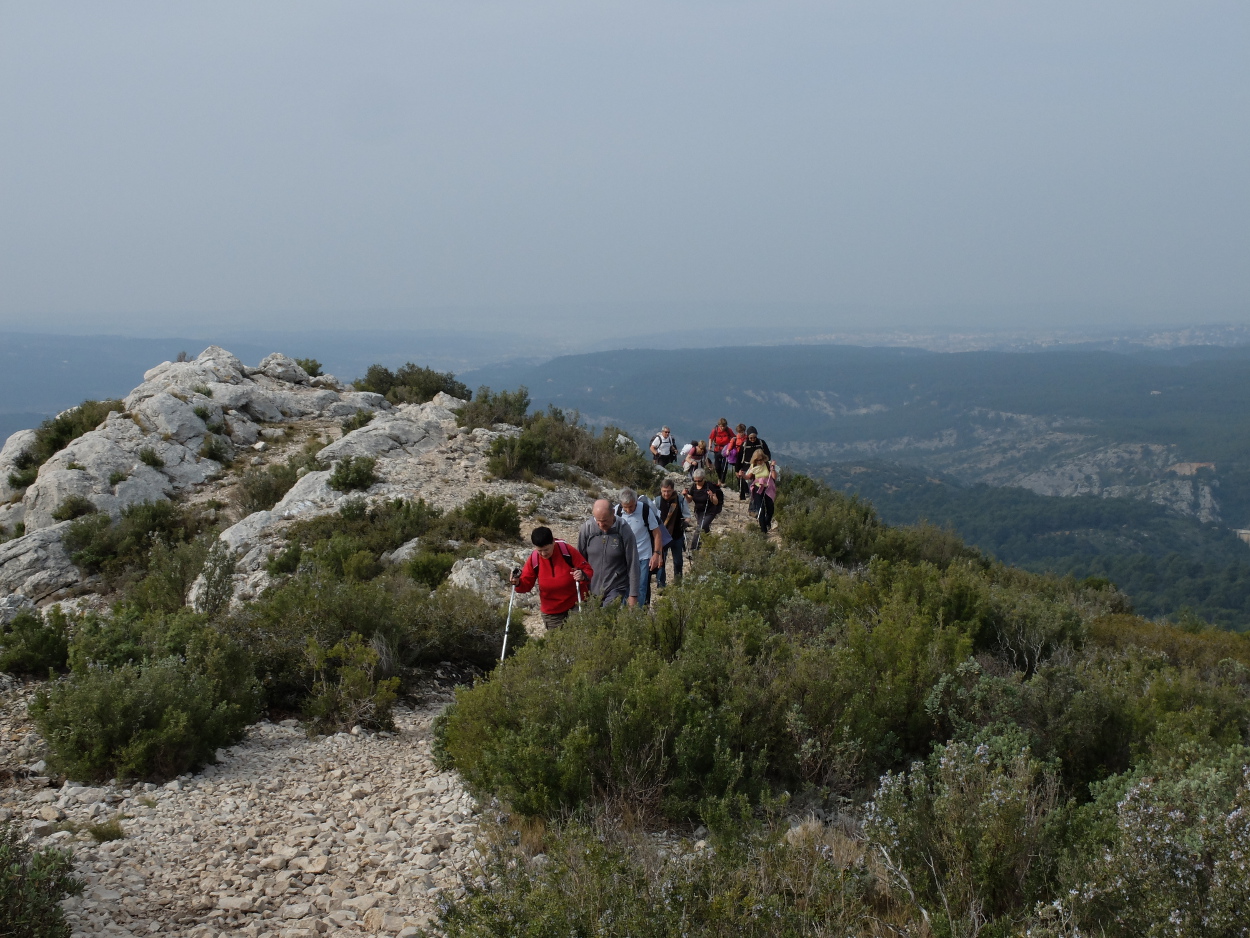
(642, 531)
(664, 445)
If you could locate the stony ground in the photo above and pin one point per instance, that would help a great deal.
(287, 836)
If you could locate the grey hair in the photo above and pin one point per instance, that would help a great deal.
(628, 496)
(698, 474)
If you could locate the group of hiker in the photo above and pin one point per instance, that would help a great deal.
(619, 548)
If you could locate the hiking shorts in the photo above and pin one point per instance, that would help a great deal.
(551, 621)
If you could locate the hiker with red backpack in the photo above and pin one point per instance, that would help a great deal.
(561, 572)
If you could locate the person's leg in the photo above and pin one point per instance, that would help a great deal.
(661, 577)
(554, 621)
(678, 549)
(743, 489)
(766, 513)
(644, 581)
(615, 597)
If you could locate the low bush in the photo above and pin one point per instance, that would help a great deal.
(411, 384)
(403, 620)
(121, 547)
(156, 718)
(362, 418)
(32, 885)
(261, 489)
(431, 567)
(117, 477)
(310, 365)
(346, 691)
(492, 515)
(150, 457)
(598, 879)
(74, 506)
(554, 437)
(285, 561)
(34, 643)
(55, 433)
(488, 408)
(216, 448)
(353, 473)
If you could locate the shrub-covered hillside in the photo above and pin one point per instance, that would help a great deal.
(862, 730)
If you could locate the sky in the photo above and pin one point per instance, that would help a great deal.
(550, 167)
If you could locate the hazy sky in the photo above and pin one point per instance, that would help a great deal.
(448, 163)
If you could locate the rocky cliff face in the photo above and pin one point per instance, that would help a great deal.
(162, 446)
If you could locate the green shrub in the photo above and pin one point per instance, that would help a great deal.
(150, 457)
(361, 418)
(493, 515)
(411, 384)
(562, 438)
(171, 571)
(431, 567)
(346, 690)
(517, 457)
(34, 644)
(488, 408)
(117, 477)
(74, 506)
(597, 879)
(32, 885)
(286, 561)
(156, 719)
(98, 544)
(55, 433)
(204, 413)
(261, 489)
(203, 390)
(354, 473)
(215, 448)
(404, 619)
(834, 526)
(310, 365)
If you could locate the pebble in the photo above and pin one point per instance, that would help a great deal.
(350, 834)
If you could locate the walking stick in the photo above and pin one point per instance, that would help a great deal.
(507, 622)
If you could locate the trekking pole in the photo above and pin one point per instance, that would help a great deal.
(507, 622)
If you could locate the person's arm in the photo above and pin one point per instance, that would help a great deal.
(581, 565)
(767, 452)
(529, 576)
(582, 540)
(654, 451)
(631, 561)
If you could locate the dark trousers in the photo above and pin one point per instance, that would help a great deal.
(721, 466)
(678, 550)
(744, 487)
(766, 512)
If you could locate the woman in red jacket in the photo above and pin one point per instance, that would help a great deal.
(562, 574)
(720, 435)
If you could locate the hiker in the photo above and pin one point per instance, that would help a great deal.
(694, 456)
(674, 512)
(720, 437)
(644, 521)
(706, 500)
(562, 575)
(763, 476)
(749, 448)
(608, 545)
(663, 448)
(736, 465)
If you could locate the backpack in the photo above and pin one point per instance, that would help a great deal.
(659, 443)
(665, 537)
(564, 552)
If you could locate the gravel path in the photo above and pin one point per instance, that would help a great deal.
(286, 837)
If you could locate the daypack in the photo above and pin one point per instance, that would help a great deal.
(665, 537)
(730, 452)
(564, 552)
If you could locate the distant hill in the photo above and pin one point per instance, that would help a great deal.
(1171, 428)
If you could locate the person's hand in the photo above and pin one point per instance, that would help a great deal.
(579, 576)
(714, 499)
(514, 579)
(632, 601)
(654, 562)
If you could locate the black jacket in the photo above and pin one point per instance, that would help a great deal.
(748, 450)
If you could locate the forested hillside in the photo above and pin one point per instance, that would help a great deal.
(1168, 564)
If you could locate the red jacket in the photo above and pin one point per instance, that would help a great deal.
(557, 590)
(719, 437)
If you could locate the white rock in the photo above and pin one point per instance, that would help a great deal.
(10, 606)
(281, 368)
(36, 565)
(481, 576)
(13, 447)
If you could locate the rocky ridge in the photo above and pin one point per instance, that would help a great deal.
(286, 836)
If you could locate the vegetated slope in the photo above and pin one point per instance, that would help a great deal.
(1056, 422)
(863, 730)
(1168, 564)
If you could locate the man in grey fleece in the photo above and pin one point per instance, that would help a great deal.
(609, 547)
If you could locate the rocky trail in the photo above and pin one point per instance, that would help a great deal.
(287, 837)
